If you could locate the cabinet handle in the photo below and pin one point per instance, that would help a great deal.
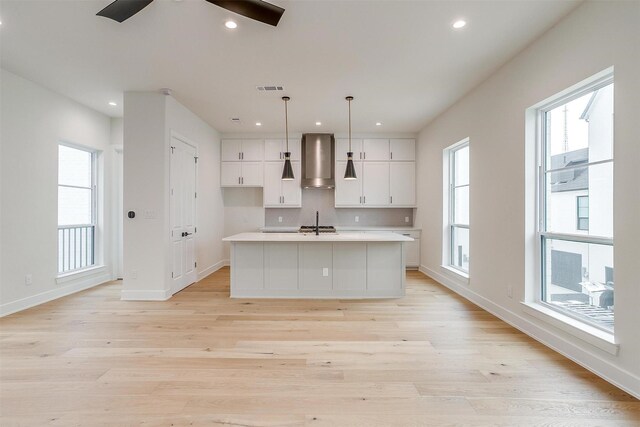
(361, 155)
(238, 180)
(391, 197)
(242, 155)
(391, 153)
(364, 200)
(239, 155)
(364, 156)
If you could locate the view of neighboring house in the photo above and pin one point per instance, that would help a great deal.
(579, 202)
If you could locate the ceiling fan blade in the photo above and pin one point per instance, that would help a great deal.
(121, 10)
(255, 9)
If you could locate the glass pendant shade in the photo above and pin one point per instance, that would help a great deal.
(287, 172)
(350, 172)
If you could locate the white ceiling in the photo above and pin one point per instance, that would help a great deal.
(401, 60)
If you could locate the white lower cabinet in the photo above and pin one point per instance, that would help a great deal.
(350, 269)
(278, 193)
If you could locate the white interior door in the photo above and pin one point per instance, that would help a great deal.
(183, 213)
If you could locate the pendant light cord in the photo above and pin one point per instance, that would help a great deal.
(286, 120)
(349, 125)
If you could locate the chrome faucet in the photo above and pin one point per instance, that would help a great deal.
(317, 223)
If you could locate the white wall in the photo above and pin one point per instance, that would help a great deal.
(34, 121)
(149, 120)
(594, 37)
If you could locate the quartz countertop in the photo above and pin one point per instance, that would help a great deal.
(278, 229)
(323, 237)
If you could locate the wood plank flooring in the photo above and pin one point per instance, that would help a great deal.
(428, 359)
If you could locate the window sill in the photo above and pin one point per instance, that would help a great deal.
(603, 340)
(77, 274)
(457, 272)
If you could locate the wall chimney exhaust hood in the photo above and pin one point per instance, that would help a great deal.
(318, 160)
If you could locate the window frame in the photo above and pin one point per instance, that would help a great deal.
(542, 235)
(94, 206)
(578, 217)
(452, 225)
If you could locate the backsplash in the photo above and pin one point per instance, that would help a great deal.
(323, 201)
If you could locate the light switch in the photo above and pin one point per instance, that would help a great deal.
(279, 219)
(357, 218)
(325, 272)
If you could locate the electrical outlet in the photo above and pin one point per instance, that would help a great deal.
(406, 219)
(28, 279)
(325, 272)
(134, 274)
(357, 218)
(279, 219)
(510, 291)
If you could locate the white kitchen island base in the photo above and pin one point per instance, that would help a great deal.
(286, 265)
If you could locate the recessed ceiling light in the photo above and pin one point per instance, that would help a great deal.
(378, 124)
(113, 104)
(459, 24)
(258, 124)
(231, 24)
(318, 123)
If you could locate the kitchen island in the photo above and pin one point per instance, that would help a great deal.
(304, 265)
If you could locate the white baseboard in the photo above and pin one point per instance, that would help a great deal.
(81, 284)
(143, 295)
(211, 269)
(546, 335)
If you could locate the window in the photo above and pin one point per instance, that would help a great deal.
(575, 224)
(583, 213)
(458, 227)
(76, 208)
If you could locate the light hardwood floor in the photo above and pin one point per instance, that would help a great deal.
(428, 359)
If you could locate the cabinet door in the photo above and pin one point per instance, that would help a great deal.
(402, 149)
(412, 253)
(291, 190)
(375, 183)
(231, 149)
(272, 190)
(376, 149)
(273, 149)
(230, 174)
(402, 182)
(252, 174)
(342, 147)
(294, 147)
(252, 150)
(348, 192)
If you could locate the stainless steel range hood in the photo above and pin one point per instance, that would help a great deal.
(318, 160)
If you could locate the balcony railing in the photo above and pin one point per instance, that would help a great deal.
(76, 248)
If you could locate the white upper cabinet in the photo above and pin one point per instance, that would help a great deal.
(342, 147)
(375, 149)
(348, 192)
(402, 184)
(402, 149)
(278, 193)
(274, 149)
(242, 149)
(241, 174)
(375, 183)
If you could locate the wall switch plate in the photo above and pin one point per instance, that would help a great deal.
(357, 218)
(134, 274)
(406, 219)
(279, 219)
(28, 279)
(325, 272)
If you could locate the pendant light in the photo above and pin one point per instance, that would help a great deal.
(287, 172)
(350, 172)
